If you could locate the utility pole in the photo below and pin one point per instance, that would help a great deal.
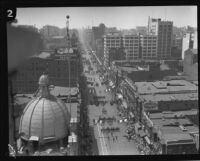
(68, 48)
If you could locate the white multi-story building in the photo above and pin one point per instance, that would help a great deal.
(195, 40)
(136, 46)
(185, 43)
(131, 44)
(189, 41)
(111, 40)
(148, 46)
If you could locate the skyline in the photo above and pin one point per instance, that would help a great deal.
(119, 17)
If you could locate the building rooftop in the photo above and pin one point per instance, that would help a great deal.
(133, 69)
(68, 50)
(195, 82)
(113, 34)
(64, 91)
(43, 55)
(171, 114)
(21, 99)
(169, 97)
(171, 86)
(172, 132)
(169, 138)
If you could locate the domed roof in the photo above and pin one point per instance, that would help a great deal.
(45, 117)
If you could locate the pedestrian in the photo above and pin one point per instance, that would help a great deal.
(113, 139)
(116, 138)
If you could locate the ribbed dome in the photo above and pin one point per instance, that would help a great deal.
(45, 116)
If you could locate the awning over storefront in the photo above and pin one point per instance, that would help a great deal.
(147, 140)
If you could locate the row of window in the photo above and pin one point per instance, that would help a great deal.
(109, 41)
(149, 51)
(131, 41)
(148, 54)
(150, 41)
(112, 46)
(149, 47)
(130, 51)
(132, 45)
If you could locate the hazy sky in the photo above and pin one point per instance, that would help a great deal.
(120, 17)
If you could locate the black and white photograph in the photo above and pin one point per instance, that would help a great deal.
(103, 81)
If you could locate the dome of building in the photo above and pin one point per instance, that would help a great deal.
(45, 117)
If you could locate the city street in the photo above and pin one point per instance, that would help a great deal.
(109, 143)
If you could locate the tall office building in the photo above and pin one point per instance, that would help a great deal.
(131, 45)
(148, 46)
(186, 43)
(189, 42)
(135, 46)
(190, 64)
(163, 29)
(111, 40)
(195, 40)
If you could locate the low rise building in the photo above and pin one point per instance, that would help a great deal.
(173, 95)
(172, 132)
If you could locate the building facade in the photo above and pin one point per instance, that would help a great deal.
(189, 42)
(190, 64)
(135, 46)
(112, 40)
(131, 44)
(163, 29)
(148, 46)
(56, 66)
